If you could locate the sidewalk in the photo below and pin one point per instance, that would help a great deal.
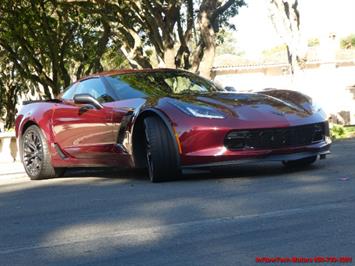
(11, 169)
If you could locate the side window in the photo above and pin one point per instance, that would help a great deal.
(69, 92)
(96, 89)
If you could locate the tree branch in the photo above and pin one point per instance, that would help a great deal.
(220, 10)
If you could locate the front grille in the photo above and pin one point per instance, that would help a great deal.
(276, 137)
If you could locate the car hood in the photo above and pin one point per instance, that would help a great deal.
(248, 106)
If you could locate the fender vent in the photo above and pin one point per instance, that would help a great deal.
(59, 151)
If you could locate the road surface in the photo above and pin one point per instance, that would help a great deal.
(231, 217)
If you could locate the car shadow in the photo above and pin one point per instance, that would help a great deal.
(106, 172)
(119, 218)
(255, 170)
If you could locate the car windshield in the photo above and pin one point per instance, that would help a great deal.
(144, 84)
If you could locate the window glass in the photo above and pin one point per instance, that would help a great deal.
(95, 88)
(126, 87)
(138, 85)
(69, 92)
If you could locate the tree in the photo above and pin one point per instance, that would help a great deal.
(52, 42)
(182, 33)
(226, 43)
(11, 84)
(313, 42)
(48, 42)
(348, 42)
(285, 16)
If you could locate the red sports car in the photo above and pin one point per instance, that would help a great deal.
(167, 120)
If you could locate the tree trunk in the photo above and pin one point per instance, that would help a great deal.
(204, 56)
(133, 51)
(169, 57)
(286, 19)
(10, 105)
(208, 39)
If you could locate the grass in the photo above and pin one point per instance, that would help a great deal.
(350, 131)
(342, 132)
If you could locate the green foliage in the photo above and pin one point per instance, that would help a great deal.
(112, 59)
(11, 84)
(223, 19)
(350, 131)
(45, 45)
(2, 102)
(348, 42)
(313, 42)
(52, 42)
(173, 29)
(49, 44)
(340, 132)
(226, 42)
(275, 50)
(337, 132)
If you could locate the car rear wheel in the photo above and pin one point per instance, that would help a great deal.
(35, 155)
(161, 155)
(300, 163)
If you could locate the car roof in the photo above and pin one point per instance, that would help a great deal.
(129, 71)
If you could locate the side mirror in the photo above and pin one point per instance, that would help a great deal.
(87, 99)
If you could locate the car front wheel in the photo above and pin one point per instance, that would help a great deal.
(35, 155)
(161, 154)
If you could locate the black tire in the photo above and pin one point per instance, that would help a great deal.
(300, 163)
(35, 155)
(161, 154)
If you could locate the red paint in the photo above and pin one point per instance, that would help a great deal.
(89, 137)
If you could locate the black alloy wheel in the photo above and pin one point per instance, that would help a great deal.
(35, 155)
(32, 152)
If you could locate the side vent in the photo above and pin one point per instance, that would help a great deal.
(60, 152)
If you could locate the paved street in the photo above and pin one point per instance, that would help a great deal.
(103, 217)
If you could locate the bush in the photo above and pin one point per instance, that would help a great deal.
(341, 132)
(313, 42)
(348, 42)
(337, 132)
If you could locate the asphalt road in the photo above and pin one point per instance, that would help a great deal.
(228, 218)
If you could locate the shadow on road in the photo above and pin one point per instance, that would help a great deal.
(117, 217)
(256, 170)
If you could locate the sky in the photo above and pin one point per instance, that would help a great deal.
(256, 33)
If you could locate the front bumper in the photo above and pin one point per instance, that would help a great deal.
(223, 157)
(285, 157)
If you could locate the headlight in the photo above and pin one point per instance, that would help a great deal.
(198, 111)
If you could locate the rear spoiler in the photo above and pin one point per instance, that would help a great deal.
(42, 101)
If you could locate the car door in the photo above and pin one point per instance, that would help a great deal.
(83, 131)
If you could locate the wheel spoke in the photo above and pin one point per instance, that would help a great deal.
(32, 152)
(148, 153)
(32, 146)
